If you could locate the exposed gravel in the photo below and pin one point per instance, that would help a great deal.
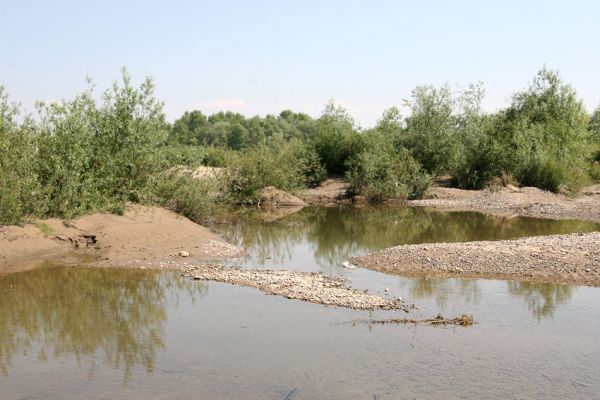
(311, 287)
(569, 259)
(525, 201)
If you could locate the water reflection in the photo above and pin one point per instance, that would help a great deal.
(541, 298)
(335, 234)
(84, 313)
(325, 237)
(445, 291)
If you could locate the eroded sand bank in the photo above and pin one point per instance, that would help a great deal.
(143, 236)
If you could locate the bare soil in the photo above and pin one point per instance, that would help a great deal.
(311, 287)
(569, 259)
(507, 201)
(331, 191)
(143, 236)
(272, 197)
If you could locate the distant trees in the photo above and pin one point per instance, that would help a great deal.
(233, 130)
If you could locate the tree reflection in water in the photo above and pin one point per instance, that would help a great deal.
(445, 291)
(334, 234)
(541, 298)
(84, 312)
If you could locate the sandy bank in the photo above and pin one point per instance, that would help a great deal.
(569, 259)
(525, 201)
(311, 287)
(142, 236)
(331, 191)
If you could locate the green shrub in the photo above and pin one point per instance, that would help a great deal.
(430, 128)
(313, 172)
(255, 168)
(197, 199)
(479, 156)
(594, 172)
(190, 156)
(380, 172)
(545, 135)
(99, 156)
(218, 156)
(335, 139)
(20, 192)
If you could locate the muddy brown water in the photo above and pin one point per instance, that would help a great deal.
(81, 333)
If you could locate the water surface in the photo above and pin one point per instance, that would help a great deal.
(71, 333)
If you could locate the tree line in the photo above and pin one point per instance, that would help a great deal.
(95, 153)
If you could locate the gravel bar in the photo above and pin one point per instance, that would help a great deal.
(568, 259)
(311, 287)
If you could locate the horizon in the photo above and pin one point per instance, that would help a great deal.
(267, 57)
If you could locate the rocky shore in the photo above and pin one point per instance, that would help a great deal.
(311, 287)
(508, 201)
(568, 259)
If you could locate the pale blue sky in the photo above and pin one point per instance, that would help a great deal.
(263, 56)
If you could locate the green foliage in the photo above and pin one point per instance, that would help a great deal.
(234, 131)
(81, 155)
(545, 137)
(477, 154)
(20, 192)
(312, 170)
(89, 154)
(595, 172)
(380, 172)
(430, 128)
(99, 156)
(192, 156)
(255, 168)
(594, 125)
(45, 228)
(196, 199)
(335, 139)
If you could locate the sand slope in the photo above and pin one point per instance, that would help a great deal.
(142, 236)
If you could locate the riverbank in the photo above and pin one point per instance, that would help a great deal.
(569, 259)
(511, 201)
(143, 236)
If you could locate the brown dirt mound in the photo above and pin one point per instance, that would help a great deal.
(330, 191)
(142, 236)
(273, 197)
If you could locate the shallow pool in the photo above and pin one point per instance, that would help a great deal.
(72, 333)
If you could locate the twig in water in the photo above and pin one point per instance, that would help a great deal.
(463, 320)
(291, 394)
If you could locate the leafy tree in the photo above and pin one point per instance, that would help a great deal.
(430, 128)
(335, 139)
(544, 134)
(20, 192)
(189, 129)
(380, 171)
(594, 125)
(93, 156)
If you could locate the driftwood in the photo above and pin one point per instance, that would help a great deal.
(463, 320)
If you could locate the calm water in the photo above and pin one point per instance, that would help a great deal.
(72, 333)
